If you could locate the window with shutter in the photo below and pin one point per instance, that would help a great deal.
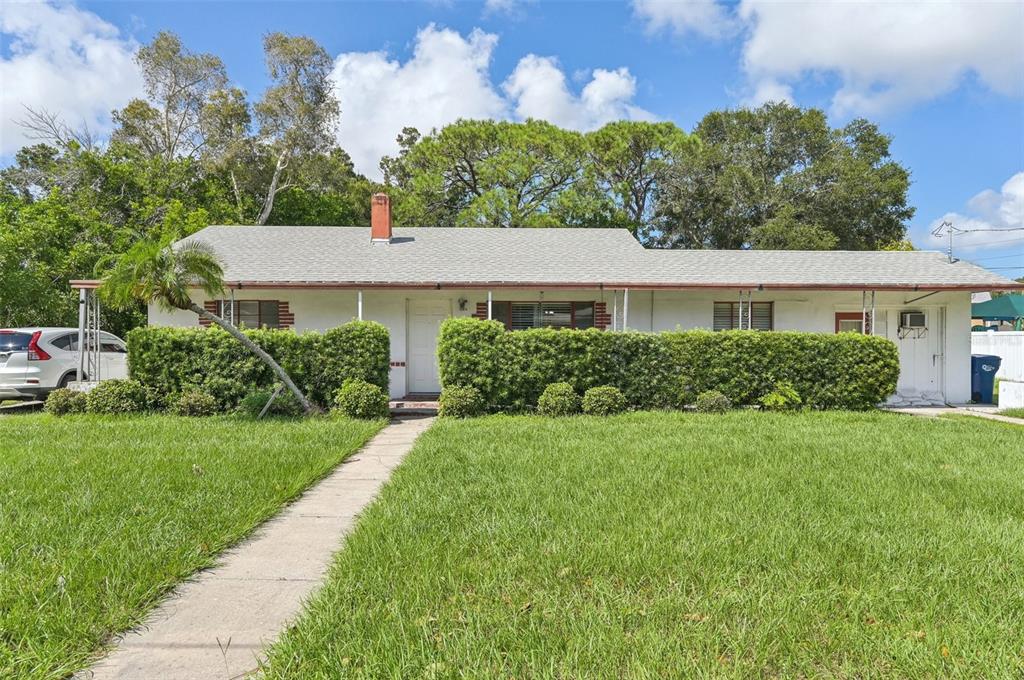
(727, 316)
(518, 316)
(251, 313)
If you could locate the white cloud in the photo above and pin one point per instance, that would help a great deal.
(66, 60)
(999, 213)
(539, 89)
(506, 7)
(702, 17)
(887, 54)
(447, 78)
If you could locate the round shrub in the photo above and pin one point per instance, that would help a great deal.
(783, 398)
(461, 402)
(194, 403)
(558, 399)
(603, 401)
(360, 399)
(713, 401)
(286, 404)
(64, 402)
(113, 397)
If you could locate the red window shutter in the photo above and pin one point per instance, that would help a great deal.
(602, 319)
(213, 307)
(285, 317)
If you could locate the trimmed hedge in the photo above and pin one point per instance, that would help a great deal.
(658, 370)
(169, 361)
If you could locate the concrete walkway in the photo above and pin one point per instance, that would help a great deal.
(217, 625)
(936, 411)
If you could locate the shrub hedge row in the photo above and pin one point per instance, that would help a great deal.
(655, 370)
(169, 361)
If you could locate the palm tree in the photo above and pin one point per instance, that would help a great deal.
(154, 271)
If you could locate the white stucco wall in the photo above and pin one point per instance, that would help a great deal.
(936, 363)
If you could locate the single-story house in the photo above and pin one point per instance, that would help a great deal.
(412, 279)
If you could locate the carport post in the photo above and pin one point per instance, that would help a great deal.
(872, 312)
(490, 301)
(359, 305)
(625, 309)
(81, 333)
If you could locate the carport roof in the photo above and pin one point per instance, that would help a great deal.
(436, 257)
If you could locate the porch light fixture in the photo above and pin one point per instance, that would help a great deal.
(462, 304)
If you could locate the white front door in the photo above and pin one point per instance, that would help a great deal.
(425, 318)
(922, 363)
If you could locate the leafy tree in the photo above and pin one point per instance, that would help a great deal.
(786, 231)
(496, 174)
(151, 271)
(298, 112)
(901, 244)
(178, 84)
(183, 158)
(753, 163)
(631, 159)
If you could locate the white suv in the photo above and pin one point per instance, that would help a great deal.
(36, 361)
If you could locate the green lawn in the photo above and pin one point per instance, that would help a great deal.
(1012, 412)
(676, 545)
(101, 516)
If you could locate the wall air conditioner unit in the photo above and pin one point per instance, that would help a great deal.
(913, 323)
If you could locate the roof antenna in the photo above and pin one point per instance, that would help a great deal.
(950, 230)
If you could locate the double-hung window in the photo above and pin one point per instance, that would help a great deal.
(727, 316)
(251, 313)
(518, 316)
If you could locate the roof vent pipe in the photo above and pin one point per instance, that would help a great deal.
(380, 219)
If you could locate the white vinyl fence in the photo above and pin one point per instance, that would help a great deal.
(1007, 345)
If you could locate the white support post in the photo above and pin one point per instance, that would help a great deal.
(872, 313)
(625, 309)
(359, 305)
(81, 333)
(615, 310)
(490, 302)
(98, 342)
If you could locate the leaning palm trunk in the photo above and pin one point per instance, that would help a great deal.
(258, 351)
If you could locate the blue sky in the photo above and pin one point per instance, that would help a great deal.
(946, 80)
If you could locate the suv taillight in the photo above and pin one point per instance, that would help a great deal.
(35, 352)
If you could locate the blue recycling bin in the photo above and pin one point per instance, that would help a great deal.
(983, 377)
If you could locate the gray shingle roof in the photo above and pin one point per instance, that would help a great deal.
(433, 256)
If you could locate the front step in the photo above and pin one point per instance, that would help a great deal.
(410, 407)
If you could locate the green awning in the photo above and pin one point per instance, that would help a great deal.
(1002, 308)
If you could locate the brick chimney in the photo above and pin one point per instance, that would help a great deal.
(380, 218)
